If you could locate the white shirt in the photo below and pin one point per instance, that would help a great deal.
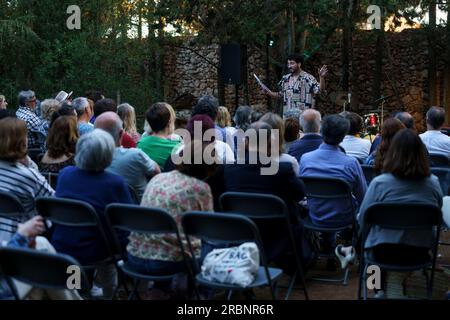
(356, 147)
(436, 142)
(223, 152)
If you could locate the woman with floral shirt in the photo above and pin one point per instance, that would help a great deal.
(176, 192)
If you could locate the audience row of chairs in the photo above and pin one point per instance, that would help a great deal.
(237, 223)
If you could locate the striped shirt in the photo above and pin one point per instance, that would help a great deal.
(23, 182)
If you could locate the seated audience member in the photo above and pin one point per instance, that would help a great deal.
(131, 164)
(255, 116)
(291, 132)
(88, 181)
(215, 181)
(35, 125)
(433, 138)
(353, 145)
(19, 176)
(310, 120)
(104, 105)
(84, 113)
(390, 127)
(3, 103)
(158, 145)
(177, 191)
(7, 113)
(61, 141)
(277, 123)
(284, 183)
(48, 107)
(407, 119)
(406, 178)
(28, 236)
(209, 105)
(242, 120)
(329, 161)
(223, 124)
(404, 117)
(65, 109)
(128, 115)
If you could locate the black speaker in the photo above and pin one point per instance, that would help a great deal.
(231, 64)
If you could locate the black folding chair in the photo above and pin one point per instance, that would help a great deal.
(39, 269)
(229, 228)
(332, 189)
(369, 172)
(134, 218)
(12, 210)
(439, 160)
(400, 216)
(79, 214)
(443, 174)
(265, 208)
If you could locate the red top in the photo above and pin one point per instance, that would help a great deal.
(127, 141)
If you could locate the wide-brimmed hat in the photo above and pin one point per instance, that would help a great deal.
(63, 96)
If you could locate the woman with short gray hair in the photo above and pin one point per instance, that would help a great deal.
(48, 108)
(89, 182)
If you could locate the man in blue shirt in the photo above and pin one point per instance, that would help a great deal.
(330, 161)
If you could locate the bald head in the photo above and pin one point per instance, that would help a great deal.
(310, 121)
(406, 118)
(111, 123)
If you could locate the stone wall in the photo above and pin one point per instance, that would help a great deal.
(189, 72)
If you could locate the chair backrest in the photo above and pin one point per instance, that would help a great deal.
(135, 218)
(402, 216)
(220, 227)
(39, 269)
(326, 188)
(443, 175)
(439, 160)
(67, 212)
(12, 210)
(369, 172)
(72, 213)
(10, 206)
(253, 205)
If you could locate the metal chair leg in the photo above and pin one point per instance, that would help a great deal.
(291, 287)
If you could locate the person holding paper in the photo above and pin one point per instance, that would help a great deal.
(297, 89)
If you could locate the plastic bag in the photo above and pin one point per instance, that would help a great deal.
(236, 265)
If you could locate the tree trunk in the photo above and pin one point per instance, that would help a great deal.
(378, 72)
(346, 34)
(447, 71)
(432, 98)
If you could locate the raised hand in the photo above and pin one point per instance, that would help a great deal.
(323, 71)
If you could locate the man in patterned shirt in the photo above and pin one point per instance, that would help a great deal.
(297, 89)
(35, 125)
